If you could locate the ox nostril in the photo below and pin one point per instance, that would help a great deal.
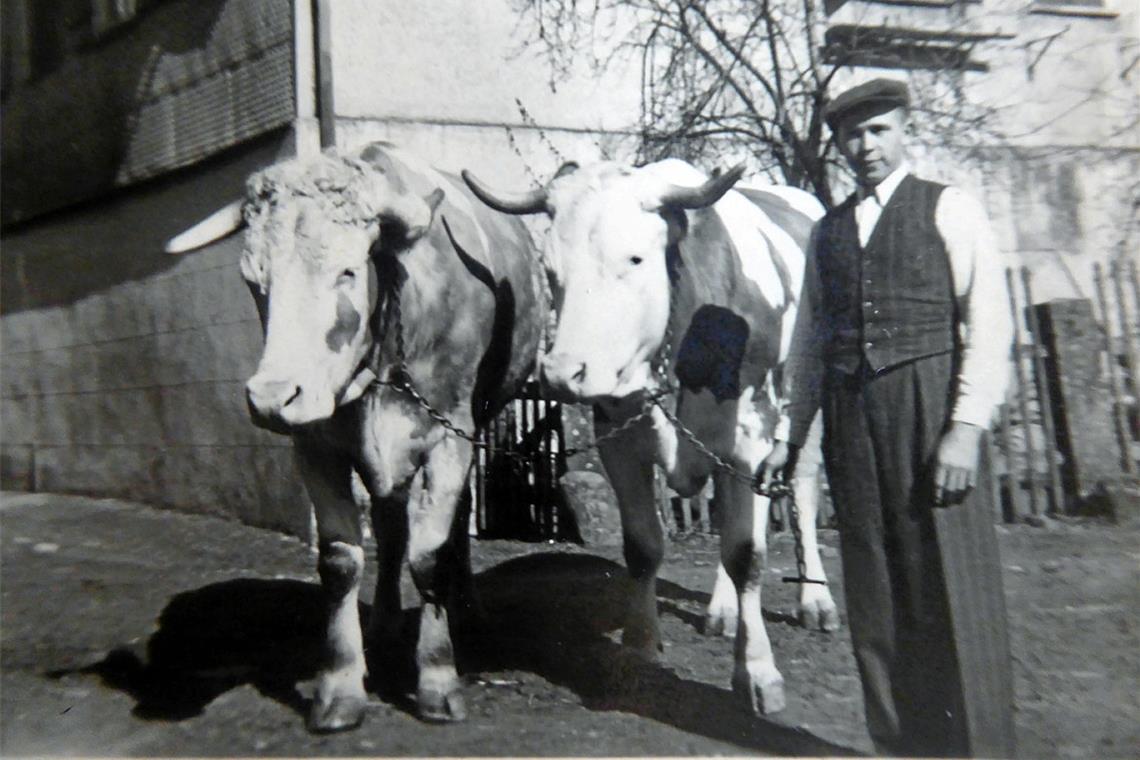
(580, 373)
(292, 397)
(269, 397)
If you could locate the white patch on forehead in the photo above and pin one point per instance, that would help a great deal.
(625, 227)
(605, 202)
(451, 190)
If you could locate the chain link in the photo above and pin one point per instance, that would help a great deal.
(403, 382)
(777, 490)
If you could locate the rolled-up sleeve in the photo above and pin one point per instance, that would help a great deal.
(986, 329)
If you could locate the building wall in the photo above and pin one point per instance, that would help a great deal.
(88, 111)
(1057, 160)
(124, 367)
(443, 79)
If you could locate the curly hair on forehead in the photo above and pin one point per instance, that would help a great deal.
(343, 189)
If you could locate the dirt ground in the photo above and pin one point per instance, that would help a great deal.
(126, 630)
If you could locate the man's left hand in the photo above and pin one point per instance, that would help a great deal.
(956, 466)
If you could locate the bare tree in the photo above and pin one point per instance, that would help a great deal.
(749, 78)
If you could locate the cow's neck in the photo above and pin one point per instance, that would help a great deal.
(706, 276)
(414, 320)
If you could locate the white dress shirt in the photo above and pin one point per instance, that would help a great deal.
(986, 329)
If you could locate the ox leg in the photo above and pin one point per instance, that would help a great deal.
(390, 524)
(340, 699)
(643, 541)
(433, 560)
(722, 612)
(744, 554)
(817, 608)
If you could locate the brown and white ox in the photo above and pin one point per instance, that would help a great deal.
(659, 270)
(344, 256)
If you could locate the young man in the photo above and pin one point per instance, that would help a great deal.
(903, 338)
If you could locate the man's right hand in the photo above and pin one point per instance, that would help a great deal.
(776, 466)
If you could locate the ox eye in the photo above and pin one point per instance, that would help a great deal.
(635, 260)
(345, 278)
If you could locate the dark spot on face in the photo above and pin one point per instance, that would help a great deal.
(347, 323)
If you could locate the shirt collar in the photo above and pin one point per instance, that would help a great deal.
(883, 191)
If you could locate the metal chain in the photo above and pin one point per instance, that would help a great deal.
(776, 490)
(403, 382)
(647, 404)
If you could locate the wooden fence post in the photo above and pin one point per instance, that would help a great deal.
(1023, 396)
(1057, 500)
(1119, 413)
(703, 507)
(1012, 480)
(686, 515)
(1116, 272)
(1135, 289)
(1129, 341)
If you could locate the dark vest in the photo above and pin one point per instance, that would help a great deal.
(893, 301)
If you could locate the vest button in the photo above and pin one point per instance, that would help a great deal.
(867, 304)
(868, 345)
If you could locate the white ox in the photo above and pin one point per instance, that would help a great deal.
(655, 284)
(373, 266)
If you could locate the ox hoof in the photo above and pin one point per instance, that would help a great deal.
(437, 707)
(763, 694)
(717, 624)
(337, 714)
(820, 617)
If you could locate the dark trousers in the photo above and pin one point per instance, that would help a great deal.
(923, 583)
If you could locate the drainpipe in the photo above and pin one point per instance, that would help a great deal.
(314, 124)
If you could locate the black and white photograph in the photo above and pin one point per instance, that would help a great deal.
(570, 378)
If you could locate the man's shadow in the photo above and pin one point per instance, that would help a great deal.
(552, 614)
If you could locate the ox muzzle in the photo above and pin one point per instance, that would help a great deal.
(272, 403)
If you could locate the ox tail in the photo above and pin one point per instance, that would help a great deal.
(223, 222)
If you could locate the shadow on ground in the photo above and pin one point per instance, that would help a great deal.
(262, 632)
(551, 614)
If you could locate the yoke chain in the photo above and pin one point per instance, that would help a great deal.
(777, 490)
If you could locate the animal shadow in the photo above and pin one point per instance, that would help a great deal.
(558, 616)
(266, 633)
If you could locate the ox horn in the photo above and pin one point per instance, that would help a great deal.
(702, 195)
(532, 202)
(216, 226)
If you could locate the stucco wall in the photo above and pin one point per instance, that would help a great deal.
(443, 79)
(123, 367)
(1057, 159)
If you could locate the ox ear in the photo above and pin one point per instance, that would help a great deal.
(409, 218)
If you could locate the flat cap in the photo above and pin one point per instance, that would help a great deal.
(890, 93)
